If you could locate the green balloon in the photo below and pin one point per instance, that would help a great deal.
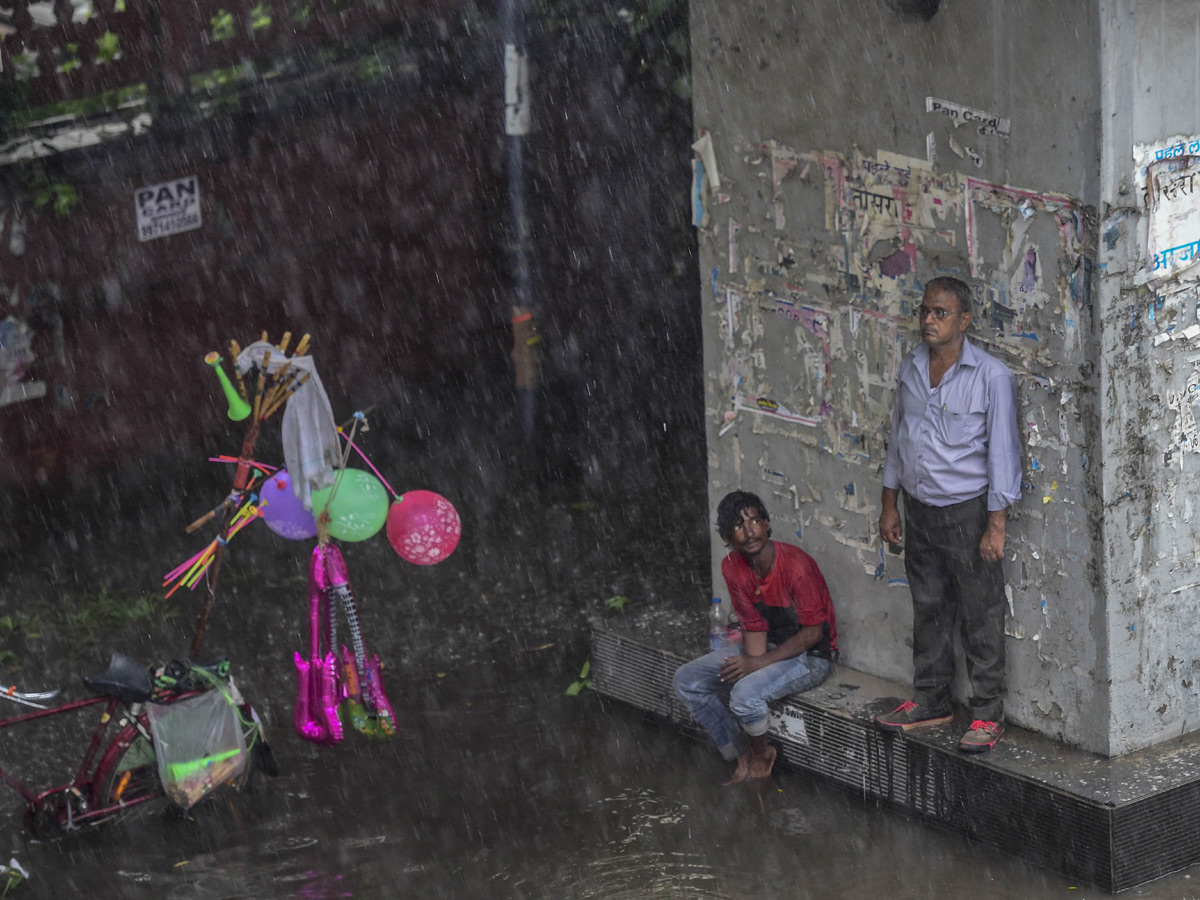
(359, 506)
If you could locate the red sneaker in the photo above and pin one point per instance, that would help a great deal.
(981, 736)
(909, 715)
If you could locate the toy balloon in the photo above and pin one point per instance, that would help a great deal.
(282, 510)
(423, 527)
(358, 508)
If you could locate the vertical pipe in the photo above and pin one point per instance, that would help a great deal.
(517, 124)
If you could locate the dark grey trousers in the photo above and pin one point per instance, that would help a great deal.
(949, 578)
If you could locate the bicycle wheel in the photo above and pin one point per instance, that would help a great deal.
(128, 773)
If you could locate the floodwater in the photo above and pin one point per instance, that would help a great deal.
(498, 784)
(503, 787)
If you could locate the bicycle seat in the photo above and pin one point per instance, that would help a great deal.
(126, 679)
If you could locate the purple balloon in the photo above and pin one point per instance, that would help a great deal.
(282, 510)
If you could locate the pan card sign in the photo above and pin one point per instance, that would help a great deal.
(168, 208)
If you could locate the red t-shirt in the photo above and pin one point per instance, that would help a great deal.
(793, 595)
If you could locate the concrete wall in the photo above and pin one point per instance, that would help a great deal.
(1151, 126)
(839, 191)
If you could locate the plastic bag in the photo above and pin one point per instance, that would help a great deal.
(199, 742)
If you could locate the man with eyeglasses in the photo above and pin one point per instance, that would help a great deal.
(789, 643)
(955, 455)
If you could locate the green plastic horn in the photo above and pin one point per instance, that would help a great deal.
(238, 408)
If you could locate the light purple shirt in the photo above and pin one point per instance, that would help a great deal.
(954, 442)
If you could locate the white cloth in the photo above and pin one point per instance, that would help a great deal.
(311, 449)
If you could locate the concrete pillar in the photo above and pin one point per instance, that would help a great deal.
(862, 148)
(1150, 105)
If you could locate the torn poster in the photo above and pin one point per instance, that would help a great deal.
(989, 123)
(704, 149)
(1173, 214)
(16, 355)
(783, 164)
(698, 212)
(732, 302)
(765, 407)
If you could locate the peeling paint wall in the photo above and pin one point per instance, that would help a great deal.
(1149, 302)
(846, 154)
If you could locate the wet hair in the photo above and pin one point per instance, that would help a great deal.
(955, 286)
(729, 512)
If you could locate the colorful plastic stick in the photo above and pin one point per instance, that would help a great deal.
(179, 771)
(262, 467)
(189, 572)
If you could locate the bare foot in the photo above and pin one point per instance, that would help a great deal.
(742, 772)
(762, 762)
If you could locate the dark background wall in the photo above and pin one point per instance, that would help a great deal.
(358, 193)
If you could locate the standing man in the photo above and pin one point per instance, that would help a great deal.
(790, 640)
(955, 455)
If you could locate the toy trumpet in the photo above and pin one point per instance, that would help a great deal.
(239, 409)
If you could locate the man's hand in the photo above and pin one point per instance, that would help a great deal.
(738, 667)
(889, 518)
(991, 546)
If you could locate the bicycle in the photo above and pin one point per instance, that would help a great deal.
(122, 774)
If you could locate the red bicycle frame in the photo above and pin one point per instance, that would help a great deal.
(86, 785)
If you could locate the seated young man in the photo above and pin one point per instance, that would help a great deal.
(790, 628)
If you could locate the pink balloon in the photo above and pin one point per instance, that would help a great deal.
(423, 527)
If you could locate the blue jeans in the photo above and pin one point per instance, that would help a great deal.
(697, 685)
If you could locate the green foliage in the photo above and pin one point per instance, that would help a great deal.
(660, 45)
(91, 617)
(657, 51)
(14, 631)
(642, 17)
(26, 626)
(17, 112)
(59, 193)
(14, 97)
(70, 58)
(11, 879)
(617, 603)
(300, 12)
(54, 192)
(583, 681)
(260, 16)
(24, 65)
(370, 68)
(222, 25)
(108, 48)
(217, 79)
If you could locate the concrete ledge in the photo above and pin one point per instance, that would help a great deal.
(1116, 823)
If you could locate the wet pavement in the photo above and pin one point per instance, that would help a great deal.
(507, 788)
(498, 784)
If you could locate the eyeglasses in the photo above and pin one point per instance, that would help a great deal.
(936, 312)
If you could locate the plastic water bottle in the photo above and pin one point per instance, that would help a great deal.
(718, 633)
(733, 629)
